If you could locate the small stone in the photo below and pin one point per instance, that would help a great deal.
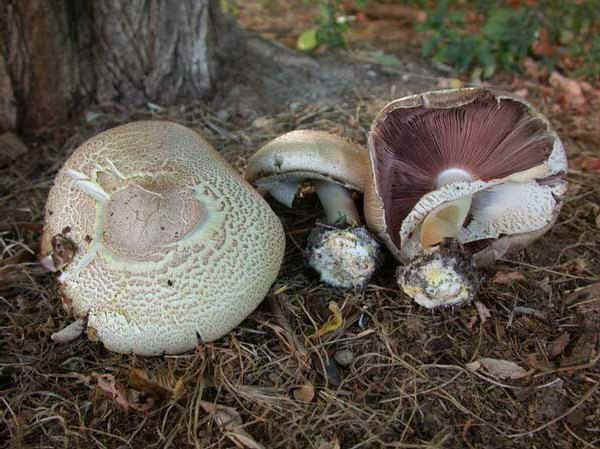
(344, 357)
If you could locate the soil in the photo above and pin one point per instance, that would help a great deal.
(411, 378)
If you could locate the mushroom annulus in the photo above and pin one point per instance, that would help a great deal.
(159, 243)
(454, 180)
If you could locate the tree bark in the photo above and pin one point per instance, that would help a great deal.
(57, 57)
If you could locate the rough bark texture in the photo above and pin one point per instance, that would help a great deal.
(153, 50)
(38, 58)
(62, 55)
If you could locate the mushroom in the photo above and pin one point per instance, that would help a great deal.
(170, 246)
(454, 180)
(343, 257)
(473, 165)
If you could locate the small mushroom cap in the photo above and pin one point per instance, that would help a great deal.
(308, 154)
(172, 246)
(431, 149)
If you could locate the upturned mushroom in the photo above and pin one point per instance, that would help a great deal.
(343, 257)
(160, 244)
(455, 179)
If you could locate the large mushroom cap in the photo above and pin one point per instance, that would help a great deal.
(474, 164)
(170, 244)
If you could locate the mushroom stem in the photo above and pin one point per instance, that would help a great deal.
(337, 203)
(284, 191)
(445, 221)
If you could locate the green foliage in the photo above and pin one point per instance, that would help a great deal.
(502, 42)
(330, 30)
(500, 39)
(574, 26)
(506, 34)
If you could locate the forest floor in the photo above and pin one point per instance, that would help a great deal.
(518, 369)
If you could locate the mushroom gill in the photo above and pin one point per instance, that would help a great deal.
(416, 150)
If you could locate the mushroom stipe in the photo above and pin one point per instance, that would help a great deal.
(166, 245)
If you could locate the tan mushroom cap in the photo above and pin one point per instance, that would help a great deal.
(430, 150)
(309, 154)
(172, 245)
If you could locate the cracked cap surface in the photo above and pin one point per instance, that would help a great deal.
(171, 242)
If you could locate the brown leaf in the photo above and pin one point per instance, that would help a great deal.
(507, 277)
(164, 386)
(108, 384)
(557, 346)
(586, 163)
(571, 89)
(389, 11)
(542, 45)
(230, 422)
(502, 369)
(304, 393)
(532, 68)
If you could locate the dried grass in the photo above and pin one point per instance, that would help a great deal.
(408, 385)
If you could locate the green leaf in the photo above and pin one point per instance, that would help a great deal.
(307, 40)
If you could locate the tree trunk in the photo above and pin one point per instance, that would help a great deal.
(57, 57)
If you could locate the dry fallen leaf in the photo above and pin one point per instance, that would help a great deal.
(556, 347)
(542, 45)
(532, 68)
(230, 422)
(502, 369)
(164, 386)
(304, 393)
(108, 384)
(334, 322)
(571, 89)
(585, 163)
(506, 277)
